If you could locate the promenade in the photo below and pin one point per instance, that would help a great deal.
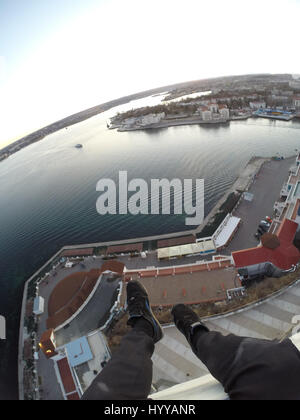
(265, 189)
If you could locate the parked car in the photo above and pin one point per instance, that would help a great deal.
(265, 222)
(264, 226)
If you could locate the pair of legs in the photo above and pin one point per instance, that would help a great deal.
(247, 368)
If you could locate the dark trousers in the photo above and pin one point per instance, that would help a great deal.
(247, 368)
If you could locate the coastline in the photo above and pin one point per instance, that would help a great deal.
(80, 116)
(35, 136)
(173, 123)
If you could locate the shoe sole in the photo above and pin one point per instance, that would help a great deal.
(157, 325)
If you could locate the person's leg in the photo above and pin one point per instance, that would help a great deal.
(248, 368)
(216, 351)
(128, 375)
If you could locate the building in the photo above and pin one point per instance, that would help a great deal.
(38, 305)
(257, 104)
(75, 345)
(213, 107)
(288, 206)
(125, 249)
(224, 111)
(47, 343)
(181, 240)
(295, 84)
(276, 255)
(202, 247)
(252, 96)
(296, 102)
(69, 264)
(151, 119)
(206, 114)
(143, 120)
(226, 231)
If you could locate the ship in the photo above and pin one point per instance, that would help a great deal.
(276, 114)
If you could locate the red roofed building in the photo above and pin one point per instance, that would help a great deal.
(66, 378)
(273, 258)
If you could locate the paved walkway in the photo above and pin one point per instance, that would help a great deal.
(174, 362)
(93, 315)
(266, 189)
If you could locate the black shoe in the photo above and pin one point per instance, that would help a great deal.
(186, 320)
(139, 307)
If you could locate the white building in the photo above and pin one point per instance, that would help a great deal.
(69, 264)
(257, 104)
(38, 305)
(296, 101)
(213, 107)
(295, 84)
(206, 114)
(224, 112)
(129, 121)
(151, 118)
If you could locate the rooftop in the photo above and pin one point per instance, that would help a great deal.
(189, 287)
(202, 247)
(124, 248)
(79, 352)
(283, 256)
(222, 237)
(67, 380)
(76, 252)
(164, 243)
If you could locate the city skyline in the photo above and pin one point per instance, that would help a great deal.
(57, 59)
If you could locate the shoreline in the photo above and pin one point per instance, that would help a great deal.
(181, 121)
(174, 123)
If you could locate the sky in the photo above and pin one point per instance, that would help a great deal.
(58, 57)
